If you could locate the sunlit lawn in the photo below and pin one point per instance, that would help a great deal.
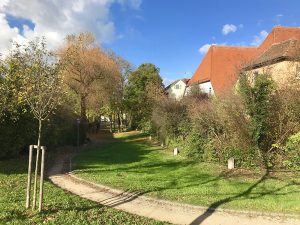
(60, 207)
(139, 166)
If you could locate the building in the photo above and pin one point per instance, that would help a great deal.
(280, 60)
(177, 89)
(219, 70)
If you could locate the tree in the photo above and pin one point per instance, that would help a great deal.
(138, 103)
(41, 80)
(88, 70)
(16, 122)
(11, 82)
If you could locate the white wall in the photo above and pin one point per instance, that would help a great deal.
(177, 90)
(205, 87)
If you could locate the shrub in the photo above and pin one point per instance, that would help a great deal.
(199, 147)
(292, 152)
(16, 134)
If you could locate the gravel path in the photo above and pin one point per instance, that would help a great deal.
(160, 210)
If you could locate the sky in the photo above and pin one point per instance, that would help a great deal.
(172, 34)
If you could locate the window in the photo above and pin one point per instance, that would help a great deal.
(177, 86)
(298, 72)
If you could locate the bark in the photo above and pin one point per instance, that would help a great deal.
(110, 123)
(40, 133)
(83, 107)
(119, 122)
(114, 122)
(100, 123)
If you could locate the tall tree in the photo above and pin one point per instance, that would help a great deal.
(137, 99)
(88, 69)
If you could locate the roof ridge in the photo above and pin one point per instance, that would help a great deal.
(285, 27)
(233, 46)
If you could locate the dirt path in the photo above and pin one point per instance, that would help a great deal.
(153, 208)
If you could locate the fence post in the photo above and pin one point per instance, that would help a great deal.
(35, 177)
(29, 178)
(42, 178)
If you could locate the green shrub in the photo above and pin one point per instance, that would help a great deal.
(197, 146)
(292, 151)
(16, 134)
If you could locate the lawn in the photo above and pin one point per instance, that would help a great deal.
(60, 207)
(132, 163)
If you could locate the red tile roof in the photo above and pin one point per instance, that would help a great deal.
(286, 50)
(277, 35)
(221, 64)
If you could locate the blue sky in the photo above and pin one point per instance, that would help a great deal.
(168, 33)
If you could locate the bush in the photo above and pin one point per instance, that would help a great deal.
(16, 134)
(292, 152)
(169, 119)
(61, 129)
(197, 146)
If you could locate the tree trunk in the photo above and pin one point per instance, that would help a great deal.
(119, 122)
(110, 122)
(114, 122)
(99, 123)
(40, 133)
(83, 107)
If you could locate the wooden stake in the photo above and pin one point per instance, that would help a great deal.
(42, 179)
(29, 178)
(35, 177)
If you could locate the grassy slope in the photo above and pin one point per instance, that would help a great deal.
(137, 166)
(60, 207)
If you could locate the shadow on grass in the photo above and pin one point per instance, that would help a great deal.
(112, 153)
(212, 208)
(126, 158)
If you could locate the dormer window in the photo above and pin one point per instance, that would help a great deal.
(298, 72)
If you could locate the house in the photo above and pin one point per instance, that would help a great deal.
(280, 60)
(177, 89)
(219, 70)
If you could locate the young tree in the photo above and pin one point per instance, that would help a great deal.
(33, 77)
(42, 81)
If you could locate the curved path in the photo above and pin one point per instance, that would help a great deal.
(157, 209)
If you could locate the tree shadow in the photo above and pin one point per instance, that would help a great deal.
(214, 206)
(134, 154)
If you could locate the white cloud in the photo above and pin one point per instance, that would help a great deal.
(135, 4)
(257, 39)
(204, 48)
(229, 28)
(54, 19)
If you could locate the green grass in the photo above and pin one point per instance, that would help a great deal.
(60, 207)
(138, 166)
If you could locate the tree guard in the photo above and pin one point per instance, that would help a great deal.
(35, 184)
